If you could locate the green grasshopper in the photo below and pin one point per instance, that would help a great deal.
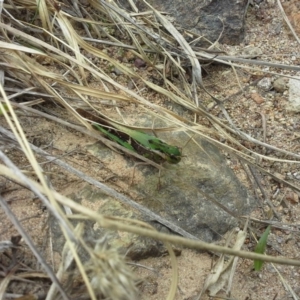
(144, 144)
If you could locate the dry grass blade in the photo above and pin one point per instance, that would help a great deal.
(29, 242)
(286, 285)
(246, 63)
(3, 286)
(10, 46)
(182, 42)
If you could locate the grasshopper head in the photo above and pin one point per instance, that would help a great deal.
(171, 154)
(172, 159)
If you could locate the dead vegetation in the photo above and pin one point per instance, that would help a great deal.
(56, 58)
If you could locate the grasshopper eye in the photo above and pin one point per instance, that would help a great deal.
(172, 159)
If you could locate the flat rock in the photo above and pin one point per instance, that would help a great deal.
(210, 19)
(294, 95)
(192, 193)
(201, 194)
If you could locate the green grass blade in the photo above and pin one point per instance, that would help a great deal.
(260, 248)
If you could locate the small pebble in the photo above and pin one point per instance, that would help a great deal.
(292, 197)
(129, 56)
(210, 105)
(265, 84)
(280, 85)
(139, 63)
(251, 51)
(117, 71)
(257, 98)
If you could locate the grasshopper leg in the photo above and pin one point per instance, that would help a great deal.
(134, 167)
(159, 176)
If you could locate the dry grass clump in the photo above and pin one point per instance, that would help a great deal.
(53, 52)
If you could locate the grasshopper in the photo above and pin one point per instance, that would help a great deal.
(144, 144)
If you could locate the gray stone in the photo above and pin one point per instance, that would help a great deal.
(265, 84)
(200, 194)
(207, 18)
(280, 85)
